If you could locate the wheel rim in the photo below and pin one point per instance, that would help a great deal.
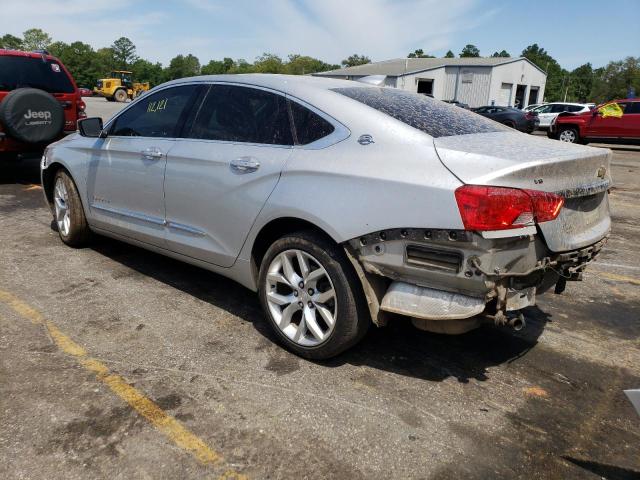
(568, 136)
(61, 204)
(301, 298)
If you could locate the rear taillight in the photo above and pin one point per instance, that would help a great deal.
(530, 115)
(81, 109)
(501, 208)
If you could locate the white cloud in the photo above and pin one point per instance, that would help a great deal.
(327, 29)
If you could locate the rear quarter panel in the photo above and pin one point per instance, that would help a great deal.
(349, 189)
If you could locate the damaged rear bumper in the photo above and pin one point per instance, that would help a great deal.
(437, 275)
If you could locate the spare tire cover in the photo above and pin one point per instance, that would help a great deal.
(31, 115)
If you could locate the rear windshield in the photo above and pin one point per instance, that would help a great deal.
(436, 118)
(47, 75)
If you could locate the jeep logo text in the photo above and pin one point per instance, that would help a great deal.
(42, 115)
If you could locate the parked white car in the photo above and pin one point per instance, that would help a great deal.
(533, 106)
(549, 111)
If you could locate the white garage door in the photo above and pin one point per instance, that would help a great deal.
(505, 94)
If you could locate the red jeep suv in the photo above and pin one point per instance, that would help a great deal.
(39, 102)
(593, 126)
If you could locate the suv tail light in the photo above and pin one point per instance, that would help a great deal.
(501, 208)
(81, 109)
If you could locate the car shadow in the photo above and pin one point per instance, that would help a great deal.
(398, 348)
(25, 171)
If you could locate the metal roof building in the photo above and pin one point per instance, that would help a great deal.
(475, 81)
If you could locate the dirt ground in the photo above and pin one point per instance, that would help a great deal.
(546, 402)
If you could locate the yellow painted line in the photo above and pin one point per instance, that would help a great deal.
(615, 276)
(33, 187)
(162, 421)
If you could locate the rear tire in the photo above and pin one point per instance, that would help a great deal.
(568, 135)
(311, 296)
(509, 124)
(68, 212)
(120, 96)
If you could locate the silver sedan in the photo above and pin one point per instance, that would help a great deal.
(342, 204)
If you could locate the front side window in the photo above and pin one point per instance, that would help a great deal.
(157, 115)
(19, 72)
(309, 126)
(234, 113)
(431, 116)
(544, 109)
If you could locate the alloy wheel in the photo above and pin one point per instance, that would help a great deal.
(301, 297)
(568, 136)
(61, 205)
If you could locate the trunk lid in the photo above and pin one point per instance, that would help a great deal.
(510, 159)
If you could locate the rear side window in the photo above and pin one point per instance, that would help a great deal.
(309, 126)
(574, 108)
(242, 114)
(47, 75)
(632, 107)
(158, 115)
(431, 116)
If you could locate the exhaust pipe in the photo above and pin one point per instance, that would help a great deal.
(518, 322)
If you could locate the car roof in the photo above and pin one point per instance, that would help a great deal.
(567, 103)
(293, 84)
(20, 53)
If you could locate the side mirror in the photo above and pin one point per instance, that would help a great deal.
(91, 127)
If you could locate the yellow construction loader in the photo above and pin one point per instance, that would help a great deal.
(119, 86)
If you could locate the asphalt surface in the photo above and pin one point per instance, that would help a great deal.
(546, 402)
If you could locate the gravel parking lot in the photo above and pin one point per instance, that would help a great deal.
(119, 363)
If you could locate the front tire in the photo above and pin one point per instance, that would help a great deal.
(568, 135)
(120, 96)
(312, 296)
(68, 212)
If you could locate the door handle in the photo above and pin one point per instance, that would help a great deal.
(245, 165)
(151, 153)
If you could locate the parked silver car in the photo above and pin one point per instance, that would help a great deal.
(340, 203)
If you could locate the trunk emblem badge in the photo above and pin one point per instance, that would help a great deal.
(602, 171)
(365, 139)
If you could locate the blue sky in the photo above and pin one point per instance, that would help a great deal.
(573, 31)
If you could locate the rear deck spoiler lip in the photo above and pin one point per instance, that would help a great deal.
(586, 190)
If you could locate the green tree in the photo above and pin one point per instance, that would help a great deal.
(449, 54)
(241, 66)
(557, 77)
(182, 66)
(217, 67)
(303, 65)
(268, 63)
(419, 53)
(503, 53)
(10, 42)
(105, 61)
(35, 39)
(145, 71)
(355, 59)
(80, 60)
(124, 53)
(581, 83)
(615, 80)
(469, 51)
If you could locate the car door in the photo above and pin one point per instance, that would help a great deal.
(221, 174)
(125, 182)
(546, 115)
(600, 126)
(631, 121)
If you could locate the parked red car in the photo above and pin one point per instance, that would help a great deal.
(39, 102)
(85, 92)
(593, 126)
